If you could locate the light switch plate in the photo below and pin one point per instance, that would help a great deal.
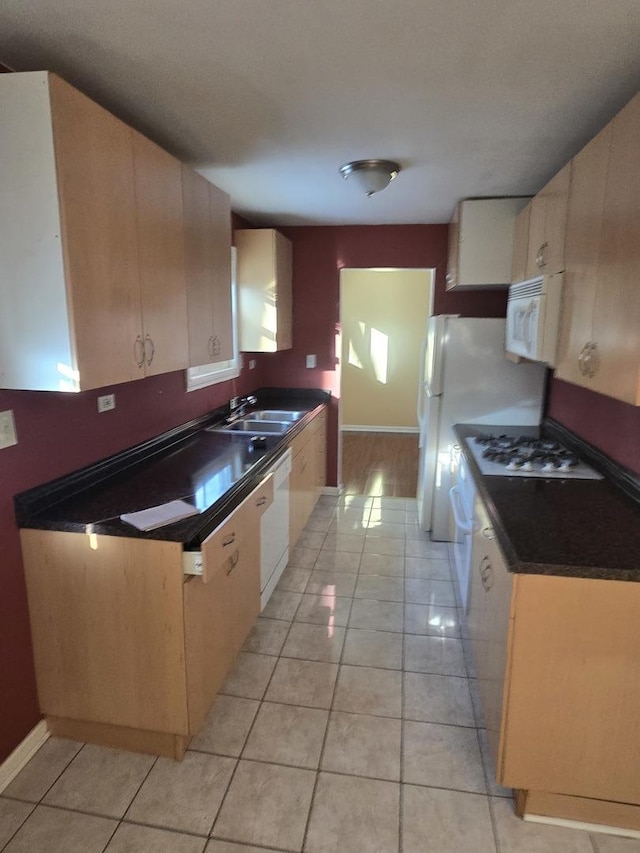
(106, 403)
(8, 436)
(311, 361)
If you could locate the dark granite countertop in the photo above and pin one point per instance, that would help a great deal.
(574, 528)
(212, 470)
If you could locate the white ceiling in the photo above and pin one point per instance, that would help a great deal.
(269, 97)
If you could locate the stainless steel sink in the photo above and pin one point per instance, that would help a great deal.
(253, 427)
(275, 415)
(259, 426)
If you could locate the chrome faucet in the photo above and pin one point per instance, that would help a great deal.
(239, 409)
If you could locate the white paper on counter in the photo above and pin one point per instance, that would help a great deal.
(158, 516)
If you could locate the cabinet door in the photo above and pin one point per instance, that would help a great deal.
(284, 297)
(220, 236)
(452, 260)
(219, 613)
(489, 621)
(583, 240)
(296, 497)
(520, 244)
(199, 263)
(264, 289)
(158, 185)
(616, 313)
(94, 164)
(321, 457)
(107, 628)
(547, 221)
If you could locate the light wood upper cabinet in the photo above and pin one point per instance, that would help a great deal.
(545, 235)
(90, 249)
(220, 219)
(95, 171)
(207, 213)
(520, 245)
(599, 344)
(583, 241)
(163, 290)
(265, 290)
(481, 243)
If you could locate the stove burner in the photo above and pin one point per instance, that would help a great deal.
(525, 454)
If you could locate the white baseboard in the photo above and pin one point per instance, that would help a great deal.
(23, 753)
(333, 490)
(370, 428)
(578, 824)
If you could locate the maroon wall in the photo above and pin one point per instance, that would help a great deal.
(610, 425)
(58, 433)
(319, 253)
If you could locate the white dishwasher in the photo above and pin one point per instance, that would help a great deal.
(274, 529)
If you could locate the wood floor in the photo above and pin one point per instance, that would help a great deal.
(380, 463)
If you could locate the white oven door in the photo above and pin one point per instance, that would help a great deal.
(524, 326)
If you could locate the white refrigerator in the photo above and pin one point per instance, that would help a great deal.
(465, 378)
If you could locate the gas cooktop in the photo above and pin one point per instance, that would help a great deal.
(528, 456)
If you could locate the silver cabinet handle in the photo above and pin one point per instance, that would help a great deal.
(148, 340)
(489, 533)
(138, 347)
(261, 501)
(540, 257)
(210, 346)
(486, 573)
(229, 540)
(233, 561)
(215, 345)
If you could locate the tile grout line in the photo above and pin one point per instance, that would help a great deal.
(34, 806)
(248, 735)
(123, 816)
(330, 710)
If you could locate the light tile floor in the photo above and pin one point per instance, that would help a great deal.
(349, 725)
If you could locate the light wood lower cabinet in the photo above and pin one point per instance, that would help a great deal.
(488, 620)
(127, 651)
(308, 467)
(556, 660)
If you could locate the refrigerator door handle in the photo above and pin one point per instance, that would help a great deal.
(456, 506)
(419, 403)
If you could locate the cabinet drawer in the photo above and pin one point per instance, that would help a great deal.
(219, 549)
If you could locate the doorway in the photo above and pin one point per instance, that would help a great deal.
(383, 318)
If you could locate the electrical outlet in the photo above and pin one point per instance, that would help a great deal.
(106, 403)
(8, 435)
(234, 402)
(252, 363)
(311, 361)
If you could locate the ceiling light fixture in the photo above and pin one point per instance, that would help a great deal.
(370, 175)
